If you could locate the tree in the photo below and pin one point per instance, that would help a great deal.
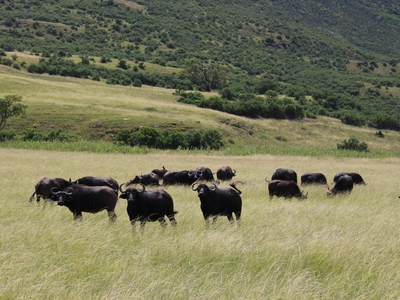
(205, 76)
(11, 106)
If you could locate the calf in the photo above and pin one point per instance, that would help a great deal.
(344, 184)
(149, 206)
(285, 188)
(44, 186)
(216, 202)
(92, 199)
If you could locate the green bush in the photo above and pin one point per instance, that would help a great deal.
(155, 138)
(6, 135)
(353, 144)
(32, 135)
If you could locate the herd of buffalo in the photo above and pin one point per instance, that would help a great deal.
(93, 194)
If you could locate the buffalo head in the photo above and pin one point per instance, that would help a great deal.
(203, 190)
(131, 194)
(62, 197)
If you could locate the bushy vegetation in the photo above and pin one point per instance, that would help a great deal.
(6, 135)
(32, 134)
(248, 105)
(161, 139)
(353, 144)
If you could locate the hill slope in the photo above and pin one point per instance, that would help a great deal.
(93, 112)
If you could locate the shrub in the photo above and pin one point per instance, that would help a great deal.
(379, 134)
(6, 135)
(353, 144)
(155, 138)
(32, 135)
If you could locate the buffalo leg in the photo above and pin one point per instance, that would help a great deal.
(172, 220)
(112, 216)
(163, 223)
(207, 219)
(238, 217)
(77, 216)
(133, 224)
(230, 218)
(142, 224)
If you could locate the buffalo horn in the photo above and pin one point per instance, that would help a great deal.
(143, 188)
(193, 189)
(233, 171)
(120, 189)
(213, 188)
(53, 191)
(69, 191)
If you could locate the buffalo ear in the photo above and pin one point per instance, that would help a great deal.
(123, 196)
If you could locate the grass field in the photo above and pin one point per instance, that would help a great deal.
(321, 248)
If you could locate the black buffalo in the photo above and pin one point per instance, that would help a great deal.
(160, 172)
(285, 188)
(180, 177)
(204, 173)
(149, 206)
(284, 174)
(92, 199)
(313, 178)
(357, 179)
(147, 179)
(216, 202)
(44, 186)
(344, 184)
(98, 181)
(225, 173)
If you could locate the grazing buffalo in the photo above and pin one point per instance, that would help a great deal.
(284, 174)
(180, 177)
(313, 178)
(225, 173)
(98, 181)
(344, 184)
(92, 199)
(204, 173)
(357, 179)
(160, 172)
(147, 179)
(44, 186)
(149, 206)
(216, 202)
(285, 188)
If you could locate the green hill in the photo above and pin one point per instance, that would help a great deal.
(266, 59)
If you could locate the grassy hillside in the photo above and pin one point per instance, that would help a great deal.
(339, 52)
(326, 248)
(95, 112)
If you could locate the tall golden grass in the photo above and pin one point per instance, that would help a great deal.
(346, 247)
